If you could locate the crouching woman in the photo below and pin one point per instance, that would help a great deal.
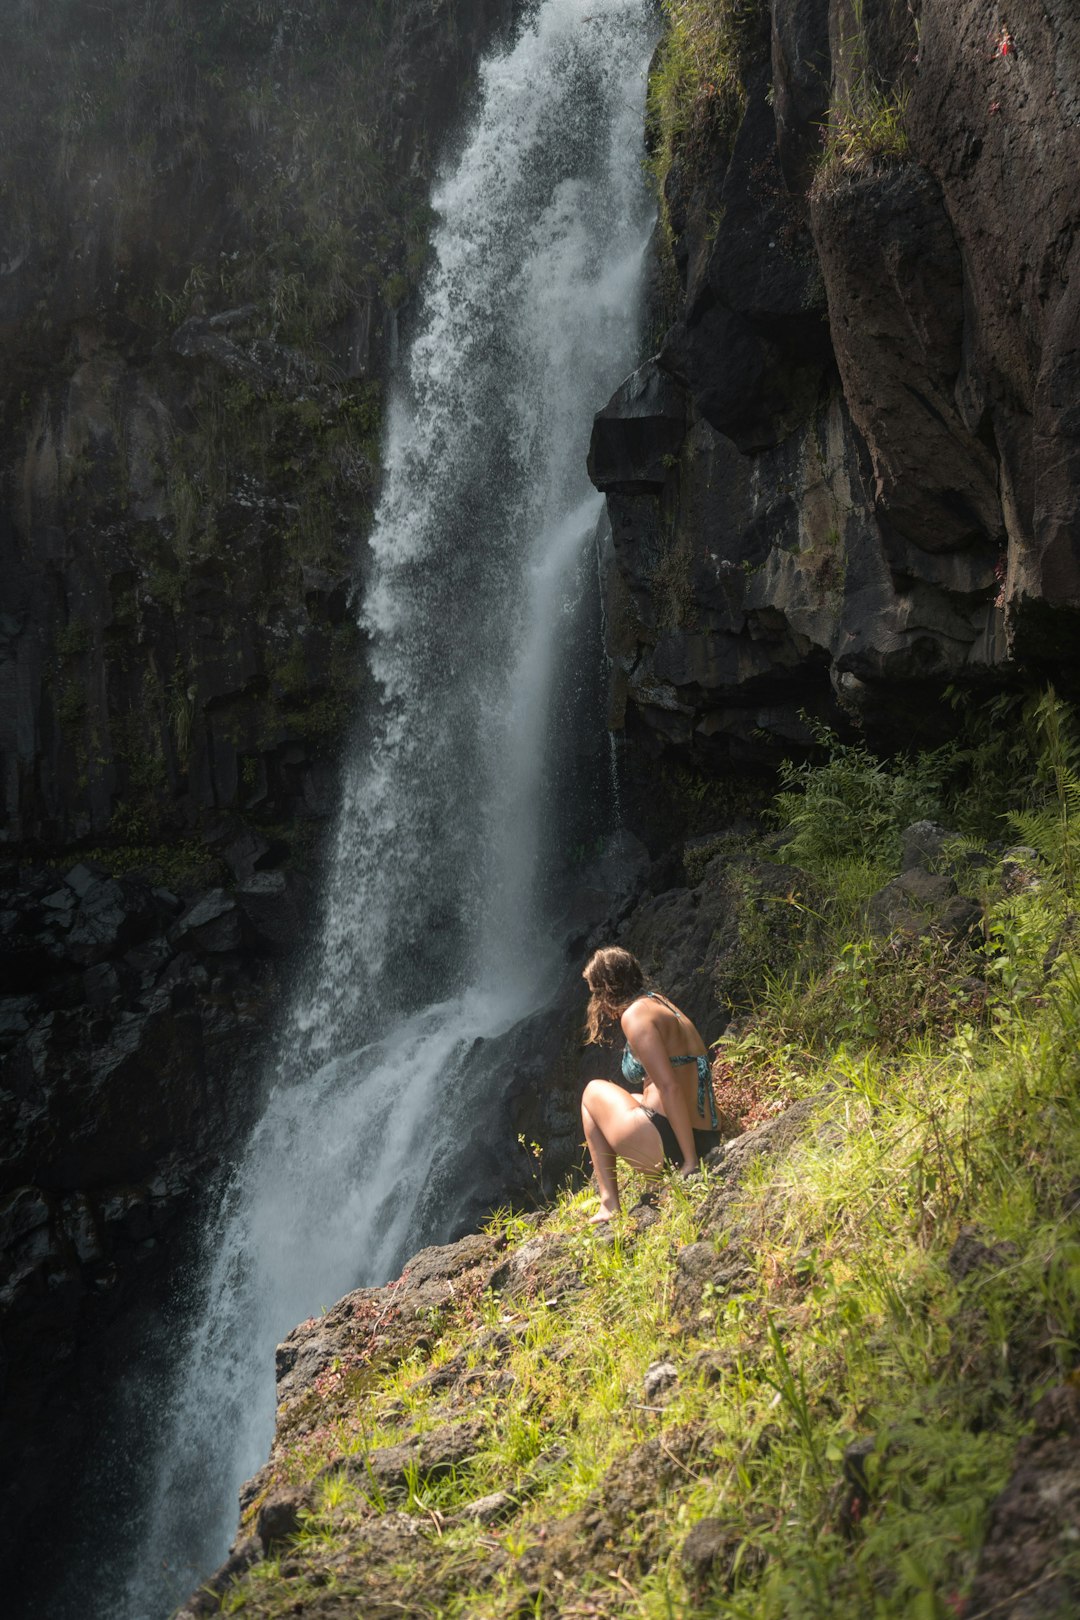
(672, 1119)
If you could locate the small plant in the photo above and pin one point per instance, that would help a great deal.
(182, 719)
(535, 1153)
(790, 1384)
(1051, 824)
(865, 126)
(855, 805)
(865, 129)
(696, 94)
(859, 1012)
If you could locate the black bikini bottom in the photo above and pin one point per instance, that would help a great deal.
(703, 1140)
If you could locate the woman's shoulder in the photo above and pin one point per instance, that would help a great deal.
(648, 1008)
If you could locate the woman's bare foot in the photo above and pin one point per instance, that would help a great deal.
(604, 1213)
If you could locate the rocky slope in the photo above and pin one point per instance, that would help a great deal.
(849, 476)
(845, 482)
(838, 1369)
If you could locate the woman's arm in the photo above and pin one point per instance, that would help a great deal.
(648, 1047)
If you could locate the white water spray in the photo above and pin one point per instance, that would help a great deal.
(434, 927)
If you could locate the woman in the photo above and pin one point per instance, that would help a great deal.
(667, 1118)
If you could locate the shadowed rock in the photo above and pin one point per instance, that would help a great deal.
(1027, 1567)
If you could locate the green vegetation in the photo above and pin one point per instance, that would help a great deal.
(865, 126)
(858, 1338)
(696, 92)
(672, 580)
(695, 103)
(855, 806)
(865, 130)
(185, 866)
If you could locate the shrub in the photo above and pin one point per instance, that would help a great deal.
(855, 805)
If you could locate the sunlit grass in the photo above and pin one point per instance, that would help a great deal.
(849, 1324)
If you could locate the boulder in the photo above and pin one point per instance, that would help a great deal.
(82, 876)
(715, 1553)
(213, 925)
(277, 908)
(923, 845)
(909, 903)
(438, 1452)
(111, 916)
(26, 1240)
(636, 435)
(920, 902)
(244, 852)
(1027, 1567)
(282, 1514)
(543, 1265)
(708, 946)
(660, 1379)
(705, 1274)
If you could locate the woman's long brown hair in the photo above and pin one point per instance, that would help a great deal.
(615, 979)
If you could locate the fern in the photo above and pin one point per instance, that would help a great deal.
(855, 805)
(1050, 825)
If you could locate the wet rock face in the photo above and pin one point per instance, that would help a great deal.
(133, 1038)
(876, 491)
(1000, 135)
(200, 286)
(894, 278)
(177, 641)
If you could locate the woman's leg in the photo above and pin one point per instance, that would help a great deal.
(615, 1127)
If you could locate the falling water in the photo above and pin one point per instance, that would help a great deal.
(437, 899)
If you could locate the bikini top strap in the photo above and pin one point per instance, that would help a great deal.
(655, 995)
(646, 995)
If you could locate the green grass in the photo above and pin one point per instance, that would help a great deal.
(865, 129)
(696, 95)
(832, 1318)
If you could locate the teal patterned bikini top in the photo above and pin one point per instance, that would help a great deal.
(633, 1070)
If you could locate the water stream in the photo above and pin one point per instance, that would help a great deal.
(439, 893)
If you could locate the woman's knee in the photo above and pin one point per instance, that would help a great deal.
(603, 1101)
(593, 1094)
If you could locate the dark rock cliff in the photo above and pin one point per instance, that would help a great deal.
(213, 217)
(213, 214)
(850, 475)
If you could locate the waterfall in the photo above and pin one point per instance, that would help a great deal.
(438, 896)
